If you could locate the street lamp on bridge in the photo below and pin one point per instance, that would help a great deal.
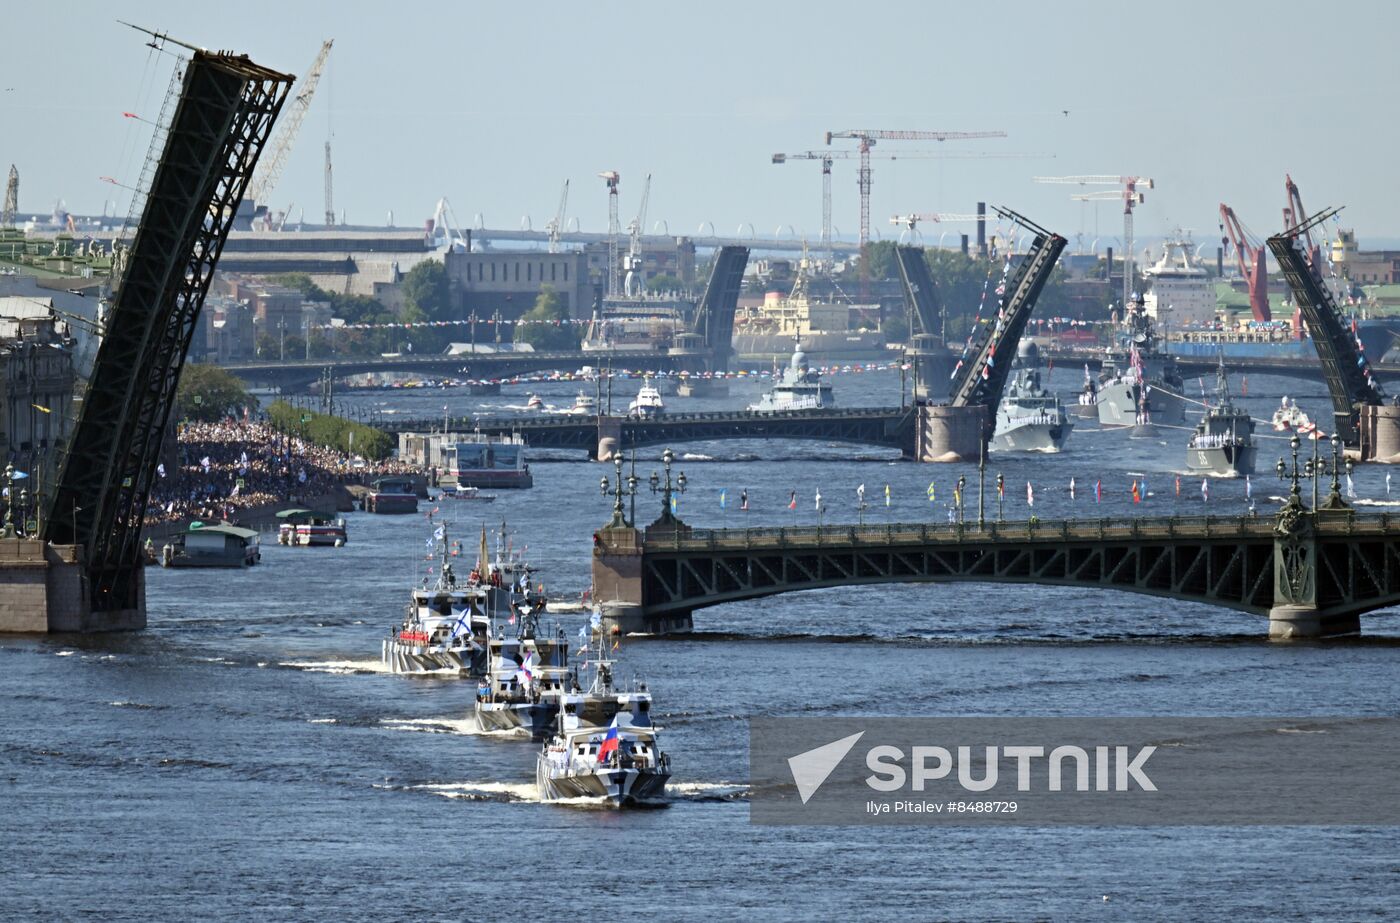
(666, 490)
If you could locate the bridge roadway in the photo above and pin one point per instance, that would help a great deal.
(1309, 369)
(882, 426)
(483, 366)
(1312, 575)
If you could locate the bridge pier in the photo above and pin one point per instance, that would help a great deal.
(1300, 623)
(618, 585)
(609, 438)
(44, 589)
(1380, 433)
(943, 433)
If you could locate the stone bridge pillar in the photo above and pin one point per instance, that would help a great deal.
(618, 587)
(609, 438)
(1295, 614)
(947, 434)
(1380, 434)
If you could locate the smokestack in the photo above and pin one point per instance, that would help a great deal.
(1108, 270)
(1220, 262)
(964, 245)
(982, 230)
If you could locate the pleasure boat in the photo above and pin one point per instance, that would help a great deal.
(648, 402)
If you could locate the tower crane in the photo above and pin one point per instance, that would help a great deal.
(1251, 259)
(1132, 196)
(7, 213)
(632, 284)
(556, 225)
(866, 139)
(270, 167)
(912, 221)
(612, 178)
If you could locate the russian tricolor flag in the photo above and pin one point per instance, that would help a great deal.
(609, 744)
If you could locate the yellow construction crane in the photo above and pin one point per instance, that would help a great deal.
(269, 169)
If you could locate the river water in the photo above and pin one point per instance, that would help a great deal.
(245, 758)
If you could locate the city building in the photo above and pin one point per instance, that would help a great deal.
(36, 382)
(1364, 267)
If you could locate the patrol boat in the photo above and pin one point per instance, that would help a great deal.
(1029, 418)
(797, 387)
(447, 625)
(1223, 443)
(526, 676)
(604, 749)
(1145, 386)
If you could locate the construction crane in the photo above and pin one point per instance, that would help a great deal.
(867, 139)
(1251, 259)
(445, 218)
(330, 202)
(612, 178)
(7, 214)
(911, 222)
(632, 284)
(270, 167)
(556, 225)
(1132, 195)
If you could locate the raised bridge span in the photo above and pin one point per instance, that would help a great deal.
(1310, 574)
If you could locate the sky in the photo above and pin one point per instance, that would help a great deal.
(494, 105)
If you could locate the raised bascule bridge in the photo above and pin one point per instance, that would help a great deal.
(83, 569)
(1311, 571)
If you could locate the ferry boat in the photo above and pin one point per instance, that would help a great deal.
(585, 403)
(534, 403)
(220, 545)
(309, 527)
(605, 749)
(447, 625)
(488, 461)
(1289, 417)
(392, 495)
(1030, 418)
(1223, 443)
(796, 387)
(648, 403)
(1138, 380)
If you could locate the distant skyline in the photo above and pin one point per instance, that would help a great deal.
(494, 106)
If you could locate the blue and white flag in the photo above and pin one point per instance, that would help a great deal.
(459, 625)
(1351, 489)
(1205, 490)
(1248, 488)
(595, 621)
(440, 533)
(429, 543)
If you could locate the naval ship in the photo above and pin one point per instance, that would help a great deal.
(1139, 382)
(605, 749)
(1223, 443)
(447, 625)
(527, 675)
(796, 387)
(1029, 418)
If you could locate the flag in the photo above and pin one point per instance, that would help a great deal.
(524, 675)
(582, 639)
(819, 499)
(457, 626)
(723, 498)
(609, 745)
(1143, 487)
(1030, 494)
(440, 533)
(675, 503)
(792, 501)
(1071, 488)
(860, 495)
(744, 499)
(1248, 488)
(1137, 497)
(205, 463)
(887, 496)
(1387, 484)
(1001, 489)
(1098, 491)
(41, 408)
(160, 470)
(932, 493)
(1205, 490)
(1351, 490)
(1178, 486)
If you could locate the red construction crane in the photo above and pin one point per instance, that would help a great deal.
(1251, 259)
(867, 139)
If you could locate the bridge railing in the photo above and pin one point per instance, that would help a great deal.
(1011, 532)
(547, 421)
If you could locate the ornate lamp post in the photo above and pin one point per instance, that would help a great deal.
(9, 502)
(667, 489)
(622, 488)
(962, 487)
(1285, 472)
(1001, 495)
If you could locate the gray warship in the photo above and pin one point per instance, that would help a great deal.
(1029, 418)
(528, 674)
(1139, 383)
(797, 386)
(1223, 443)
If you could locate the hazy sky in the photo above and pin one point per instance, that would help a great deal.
(494, 105)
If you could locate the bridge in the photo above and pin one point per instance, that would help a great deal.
(1311, 573)
(602, 436)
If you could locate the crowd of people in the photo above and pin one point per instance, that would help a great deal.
(228, 467)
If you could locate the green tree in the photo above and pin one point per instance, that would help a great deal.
(546, 325)
(208, 393)
(425, 291)
(302, 283)
(665, 282)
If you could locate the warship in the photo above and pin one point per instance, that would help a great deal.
(1223, 443)
(1139, 382)
(447, 625)
(796, 387)
(604, 749)
(1029, 418)
(526, 676)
